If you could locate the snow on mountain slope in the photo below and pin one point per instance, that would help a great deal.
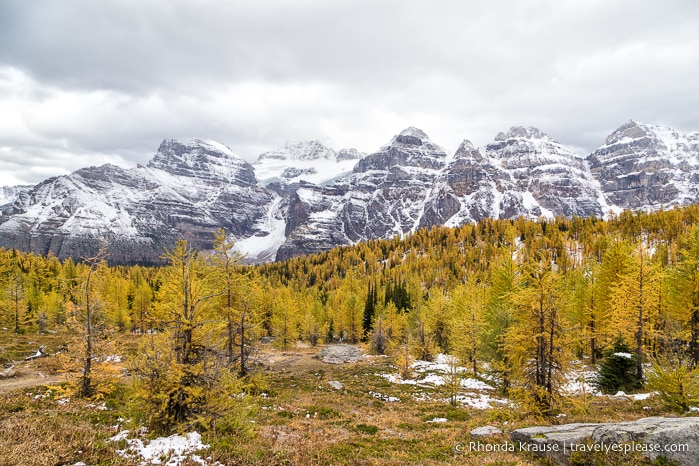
(550, 177)
(11, 194)
(383, 197)
(263, 245)
(645, 167)
(307, 198)
(188, 190)
(308, 161)
(300, 150)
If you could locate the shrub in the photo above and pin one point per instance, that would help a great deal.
(676, 382)
(367, 429)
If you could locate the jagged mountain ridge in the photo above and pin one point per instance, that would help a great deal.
(187, 190)
(306, 197)
(643, 166)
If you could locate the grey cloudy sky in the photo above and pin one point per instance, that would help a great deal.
(87, 82)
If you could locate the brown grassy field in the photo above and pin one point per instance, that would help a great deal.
(293, 417)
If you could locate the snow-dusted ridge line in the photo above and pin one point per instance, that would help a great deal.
(306, 197)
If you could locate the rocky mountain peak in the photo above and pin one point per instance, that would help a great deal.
(467, 150)
(529, 147)
(349, 154)
(202, 159)
(647, 166)
(520, 132)
(300, 150)
(411, 137)
(630, 130)
(410, 148)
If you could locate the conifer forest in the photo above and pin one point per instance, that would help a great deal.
(206, 344)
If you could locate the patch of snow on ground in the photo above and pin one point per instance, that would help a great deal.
(437, 373)
(395, 378)
(480, 401)
(642, 396)
(442, 363)
(111, 358)
(432, 371)
(578, 381)
(176, 448)
(475, 384)
(438, 419)
(379, 396)
(635, 396)
(432, 379)
(123, 435)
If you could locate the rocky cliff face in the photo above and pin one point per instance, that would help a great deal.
(187, 190)
(383, 197)
(556, 179)
(208, 161)
(306, 197)
(11, 194)
(412, 183)
(644, 166)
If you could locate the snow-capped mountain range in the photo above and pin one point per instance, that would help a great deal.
(306, 197)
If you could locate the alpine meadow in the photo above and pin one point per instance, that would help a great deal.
(506, 323)
(349, 233)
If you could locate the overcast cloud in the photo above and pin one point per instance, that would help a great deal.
(88, 82)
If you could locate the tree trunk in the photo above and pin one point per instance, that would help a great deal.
(16, 312)
(243, 370)
(694, 344)
(231, 337)
(86, 385)
(639, 333)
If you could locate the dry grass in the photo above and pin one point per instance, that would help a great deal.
(298, 419)
(42, 432)
(306, 421)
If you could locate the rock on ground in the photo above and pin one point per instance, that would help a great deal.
(7, 373)
(555, 441)
(485, 431)
(338, 354)
(336, 385)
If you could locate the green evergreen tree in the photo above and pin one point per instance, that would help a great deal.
(617, 371)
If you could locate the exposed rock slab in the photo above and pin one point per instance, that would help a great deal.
(8, 372)
(337, 385)
(653, 433)
(340, 354)
(485, 431)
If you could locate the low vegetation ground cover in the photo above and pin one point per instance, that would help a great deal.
(289, 415)
(503, 323)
